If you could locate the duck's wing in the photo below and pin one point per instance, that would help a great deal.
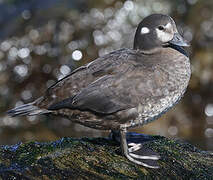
(121, 80)
(110, 64)
(97, 97)
(112, 93)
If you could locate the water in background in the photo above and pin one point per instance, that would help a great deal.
(43, 41)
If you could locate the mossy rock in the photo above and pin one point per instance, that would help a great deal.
(100, 158)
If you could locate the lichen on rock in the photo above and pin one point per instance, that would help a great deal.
(100, 158)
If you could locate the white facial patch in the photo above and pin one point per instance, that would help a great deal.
(168, 26)
(164, 36)
(145, 30)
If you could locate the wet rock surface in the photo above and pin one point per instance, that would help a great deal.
(100, 158)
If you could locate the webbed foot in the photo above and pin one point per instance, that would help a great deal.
(138, 154)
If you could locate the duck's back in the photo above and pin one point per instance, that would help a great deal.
(124, 84)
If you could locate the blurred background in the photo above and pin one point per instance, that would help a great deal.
(43, 41)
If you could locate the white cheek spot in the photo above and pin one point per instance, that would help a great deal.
(168, 26)
(164, 36)
(145, 30)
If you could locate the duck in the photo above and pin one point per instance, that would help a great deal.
(125, 88)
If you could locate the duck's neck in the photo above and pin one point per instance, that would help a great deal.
(149, 51)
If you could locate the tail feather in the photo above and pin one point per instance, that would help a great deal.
(27, 109)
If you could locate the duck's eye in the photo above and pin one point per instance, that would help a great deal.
(161, 28)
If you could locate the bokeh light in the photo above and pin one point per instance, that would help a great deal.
(41, 45)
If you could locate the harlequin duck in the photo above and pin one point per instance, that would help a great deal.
(125, 88)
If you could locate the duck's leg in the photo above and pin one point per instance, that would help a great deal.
(138, 157)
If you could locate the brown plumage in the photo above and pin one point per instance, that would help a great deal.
(124, 88)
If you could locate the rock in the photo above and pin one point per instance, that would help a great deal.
(100, 158)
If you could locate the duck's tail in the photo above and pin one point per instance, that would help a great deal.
(29, 109)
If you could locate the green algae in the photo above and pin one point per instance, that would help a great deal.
(100, 158)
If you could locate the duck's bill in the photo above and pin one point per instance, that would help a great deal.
(178, 40)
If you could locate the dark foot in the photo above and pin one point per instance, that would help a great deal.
(136, 153)
(144, 156)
